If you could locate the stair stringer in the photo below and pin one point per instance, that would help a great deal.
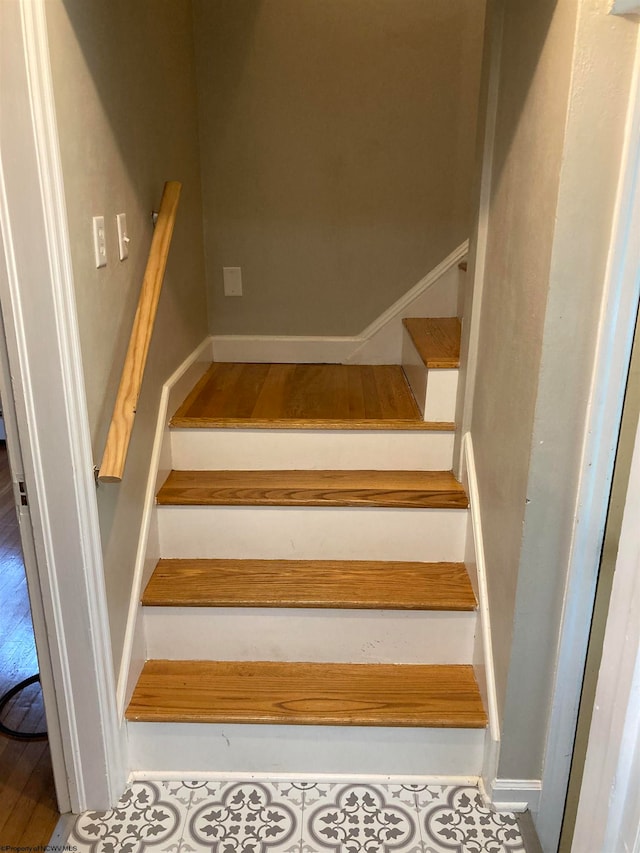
(511, 795)
(483, 661)
(173, 393)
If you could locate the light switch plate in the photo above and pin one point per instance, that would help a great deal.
(123, 236)
(99, 242)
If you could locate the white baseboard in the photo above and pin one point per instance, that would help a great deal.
(509, 795)
(285, 349)
(435, 295)
(475, 562)
(173, 391)
(483, 651)
(512, 795)
(302, 778)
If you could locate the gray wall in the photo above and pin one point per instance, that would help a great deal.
(124, 85)
(564, 78)
(603, 56)
(533, 93)
(338, 143)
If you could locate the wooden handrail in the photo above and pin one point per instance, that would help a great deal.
(124, 410)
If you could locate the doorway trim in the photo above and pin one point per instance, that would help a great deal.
(608, 816)
(38, 306)
(615, 339)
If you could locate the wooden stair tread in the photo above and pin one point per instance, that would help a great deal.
(307, 693)
(418, 489)
(331, 396)
(437, 340)
(354, 584)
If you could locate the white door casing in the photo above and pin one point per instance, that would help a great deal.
(27, 542)
(615, 339)
(38, 308)
(608, 815)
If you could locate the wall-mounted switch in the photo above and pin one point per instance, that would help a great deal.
(232, 281)
(99, 242)
(123, 236)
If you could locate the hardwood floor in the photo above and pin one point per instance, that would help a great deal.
(317, 396)
(28, 807)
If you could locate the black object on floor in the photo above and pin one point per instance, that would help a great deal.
(6, 698)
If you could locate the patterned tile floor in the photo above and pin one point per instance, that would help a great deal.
(296, 817)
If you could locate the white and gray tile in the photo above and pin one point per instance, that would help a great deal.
(297, 817)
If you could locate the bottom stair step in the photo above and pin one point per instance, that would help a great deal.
(307, 693)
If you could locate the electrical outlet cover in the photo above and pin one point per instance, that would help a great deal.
(232, 277)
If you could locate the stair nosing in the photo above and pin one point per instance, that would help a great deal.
(318, 424)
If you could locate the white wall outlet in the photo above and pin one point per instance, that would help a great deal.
(232, 281)
(99, 242)
(123, 236)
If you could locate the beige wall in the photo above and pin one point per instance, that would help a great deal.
(337, 141)
(124, 84)
(564, 79)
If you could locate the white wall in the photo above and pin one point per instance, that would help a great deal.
(124, 86)
(337, 141)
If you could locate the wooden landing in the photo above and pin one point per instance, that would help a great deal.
(417, 489)
(355, 584)
(437, 340)
(303, 396)
(307, 694)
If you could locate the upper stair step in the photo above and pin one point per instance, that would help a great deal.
(418, 489)
(303, 396)
(307, 693)
(355, 584)
(436, 339)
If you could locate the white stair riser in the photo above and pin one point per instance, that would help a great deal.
(192, 749)
(320, 635)
(312, 533)
(442, 391)
(239, 449)
(435, 390)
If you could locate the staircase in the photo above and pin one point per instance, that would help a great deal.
(311, 612)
